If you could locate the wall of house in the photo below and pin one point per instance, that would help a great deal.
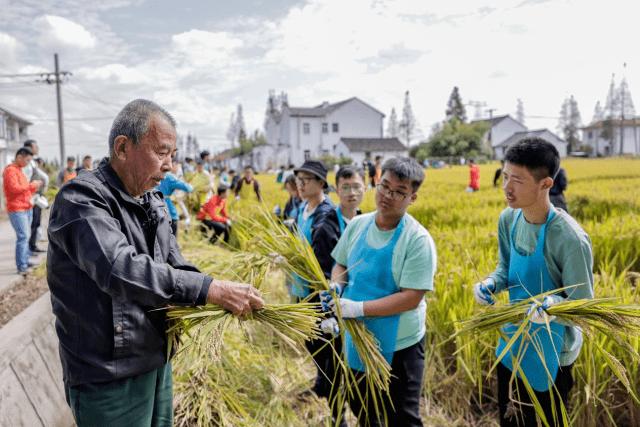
(560, 145)
(359, 157)
(355, 120)
(602, 147)
(503, 130)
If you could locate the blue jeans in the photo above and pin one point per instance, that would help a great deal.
(21, 222)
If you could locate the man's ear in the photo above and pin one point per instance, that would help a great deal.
(547, 183)
(121, 147)
(413, 198)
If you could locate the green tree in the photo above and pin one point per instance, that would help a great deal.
(458, 139)
(455, 108)
(570, 122)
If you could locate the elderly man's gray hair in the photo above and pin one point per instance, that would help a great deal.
(133, 121)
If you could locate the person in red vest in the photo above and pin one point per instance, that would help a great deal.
(18, 193)
(214, 216)
(474, 177)
(69, 173)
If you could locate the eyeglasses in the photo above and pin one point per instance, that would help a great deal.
(395, 195)
(356, 189)
(306, 180)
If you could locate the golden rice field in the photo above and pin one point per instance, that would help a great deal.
(256, 380)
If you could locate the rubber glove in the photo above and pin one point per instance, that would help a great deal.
(483, 291)
(330, 326)
(289, 222)
(348, 308)
(539, 310)
(237, 198)
(325, 296)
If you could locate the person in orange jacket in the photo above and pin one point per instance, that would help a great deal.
(18, 193)
(214, 216)
(474, 177)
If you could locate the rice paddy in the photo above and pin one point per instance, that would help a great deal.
(258, 375)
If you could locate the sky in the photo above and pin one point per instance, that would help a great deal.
(199, 60)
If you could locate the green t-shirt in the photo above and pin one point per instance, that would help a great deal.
(413, 266)
(569, 259)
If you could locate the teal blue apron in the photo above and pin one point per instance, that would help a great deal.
(341, 220)
(371, 278)
(528, 276)
(300, 288)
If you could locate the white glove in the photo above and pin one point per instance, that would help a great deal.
(277, 259)
(289, 222)
(237, 197)
(330, 326)
(538, 311)
(348, 308)
(326, 297)
(483, 292)
(229, 222)
(276, 210)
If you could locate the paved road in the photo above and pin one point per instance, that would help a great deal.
(8, 270)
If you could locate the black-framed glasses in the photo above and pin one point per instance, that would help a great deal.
(395, 195)
(306, 180)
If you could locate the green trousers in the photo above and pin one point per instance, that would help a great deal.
(142, 401)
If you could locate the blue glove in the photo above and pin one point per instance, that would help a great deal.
(326, 297)
(538, 311)
(483, 292)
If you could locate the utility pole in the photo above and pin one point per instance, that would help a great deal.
(60, 125)
(491, 110)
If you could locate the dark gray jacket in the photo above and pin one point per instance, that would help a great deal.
(111, 261)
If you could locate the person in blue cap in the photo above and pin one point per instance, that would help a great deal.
(385, 264)
(541, 249)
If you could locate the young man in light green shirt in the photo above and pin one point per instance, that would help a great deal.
(541, 249)
(386, 261)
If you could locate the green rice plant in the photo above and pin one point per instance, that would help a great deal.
(264, 235)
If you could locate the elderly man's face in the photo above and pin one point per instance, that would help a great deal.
(151, 160)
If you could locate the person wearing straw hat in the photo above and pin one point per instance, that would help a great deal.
(385, 264)
(541, 249)
(112, 263)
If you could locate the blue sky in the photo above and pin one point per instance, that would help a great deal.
(200, 59)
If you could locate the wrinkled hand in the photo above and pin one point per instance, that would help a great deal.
(326, 297)
(538, 311)
(348, 308)
(238, 298)
(330, 326)
(483, 292)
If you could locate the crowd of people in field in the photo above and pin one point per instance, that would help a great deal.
(113, 260)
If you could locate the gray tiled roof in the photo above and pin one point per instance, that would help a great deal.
(322, 109)
(373, 144)
(526, 134)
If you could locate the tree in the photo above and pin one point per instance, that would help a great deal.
(458, 139)
(240, 123)
(520, 112)
(392, 127)
(408, 124)
(597, 113)
(455, 108)
(569, 122)
(231, 132)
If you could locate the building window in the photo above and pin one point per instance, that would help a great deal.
(325, 152)
(325, 128)
(305, 128)
(590, 134)
(335, 127)
(307, 154)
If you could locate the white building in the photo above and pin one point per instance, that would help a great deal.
(624, 135)
(502, 127)
(360, 149)
(13, 133)
(546, 134)
(299, 133)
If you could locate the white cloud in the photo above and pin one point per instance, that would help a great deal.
(55, 30)
(118, 73)
(206, 49)
(10, 49)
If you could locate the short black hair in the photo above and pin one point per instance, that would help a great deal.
(291, 179)
(24, 151)
(249, 167)
(29, 142)
(405, 168)
(222, 188)
(539, 156)
(204, 154)
(70, 158)
(347, 171)
(87, 157)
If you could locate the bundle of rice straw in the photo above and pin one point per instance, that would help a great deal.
(202, 327)
(597, 315)
(265, 235)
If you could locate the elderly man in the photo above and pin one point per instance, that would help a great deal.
(112, 261)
